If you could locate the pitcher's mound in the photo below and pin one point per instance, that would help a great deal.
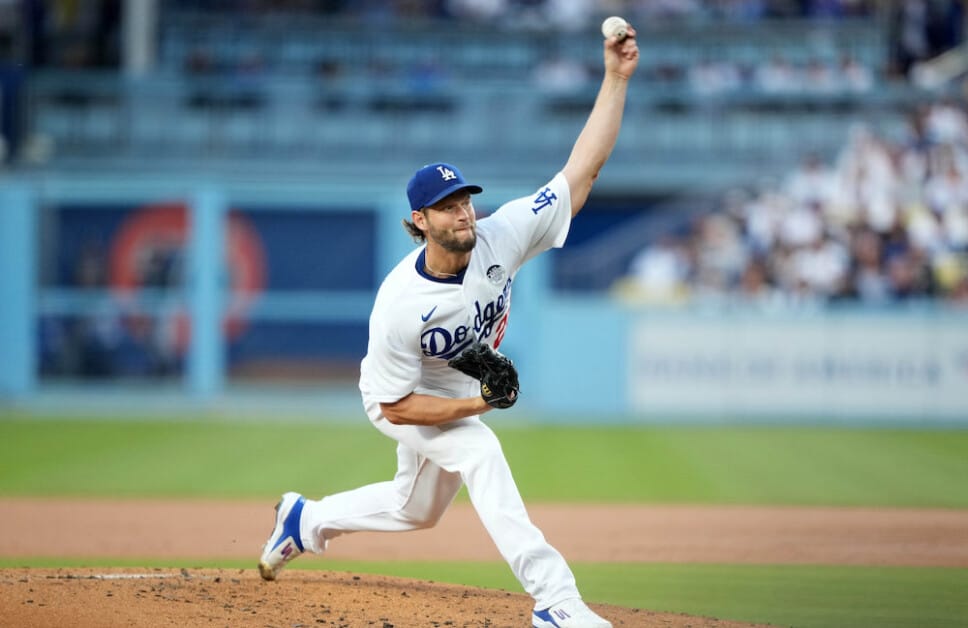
(98, 598)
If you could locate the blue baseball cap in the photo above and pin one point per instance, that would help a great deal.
(435, 181)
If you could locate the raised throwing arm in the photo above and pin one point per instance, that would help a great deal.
(597, 138)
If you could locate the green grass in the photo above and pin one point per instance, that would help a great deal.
(758, 465)
(783, 595)
(716, 465)
(184, 458)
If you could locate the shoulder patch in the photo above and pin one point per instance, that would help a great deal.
(544, 198)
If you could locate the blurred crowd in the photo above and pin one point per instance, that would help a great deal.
(781, 76)
(87, 33)
(502, 11)
(884, 221)
(555, 13)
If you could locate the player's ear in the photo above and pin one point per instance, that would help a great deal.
(419, 218)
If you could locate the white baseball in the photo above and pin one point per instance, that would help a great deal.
(615, 27)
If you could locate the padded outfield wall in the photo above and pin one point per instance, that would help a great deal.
(291, 269)
(851, 366)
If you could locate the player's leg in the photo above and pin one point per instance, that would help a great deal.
(470, 448)
(416, 498)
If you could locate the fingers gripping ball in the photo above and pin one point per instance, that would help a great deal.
(495, 372)
(615, 27)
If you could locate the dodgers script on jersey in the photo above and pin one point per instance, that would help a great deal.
(420, 321)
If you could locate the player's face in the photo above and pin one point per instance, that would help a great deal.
(451, 223)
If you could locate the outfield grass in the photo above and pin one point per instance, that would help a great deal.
(715, 465)
(705, 465)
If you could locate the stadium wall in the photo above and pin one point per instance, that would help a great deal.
(889, 367)
(582, 358)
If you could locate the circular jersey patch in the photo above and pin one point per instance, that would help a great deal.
(497, 275)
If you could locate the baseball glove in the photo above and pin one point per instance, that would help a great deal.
(498, 377)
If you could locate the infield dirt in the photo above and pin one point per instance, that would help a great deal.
(187, 531)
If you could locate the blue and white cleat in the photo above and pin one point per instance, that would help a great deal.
(572, 613)
(285, 543)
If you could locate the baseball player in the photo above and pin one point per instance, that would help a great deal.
(431, 369)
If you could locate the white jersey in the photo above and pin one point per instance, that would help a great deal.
(419, 321)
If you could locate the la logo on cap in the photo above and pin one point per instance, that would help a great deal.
(435, 181)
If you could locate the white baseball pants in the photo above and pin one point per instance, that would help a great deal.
(433, 462)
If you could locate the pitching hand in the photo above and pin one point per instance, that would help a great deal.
(622, 57)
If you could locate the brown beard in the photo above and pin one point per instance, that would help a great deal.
(451, 243)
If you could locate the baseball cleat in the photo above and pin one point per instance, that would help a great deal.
(571, 613)
(285, 542)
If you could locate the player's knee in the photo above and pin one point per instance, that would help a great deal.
(422, 520)
(485, 449)
(420, 515)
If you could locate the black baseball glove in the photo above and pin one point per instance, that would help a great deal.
(498, 377)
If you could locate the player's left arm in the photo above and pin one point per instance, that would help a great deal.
(597, 138)
(420, 409)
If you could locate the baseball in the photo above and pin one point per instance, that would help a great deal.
(615, 27)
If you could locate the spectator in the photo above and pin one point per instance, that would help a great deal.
(946, 123)
(661, 271)
(855, 76)
(821, 266)
(811, 181)
(714, 77)
(802, 225)
(948, 190)
(477, 10)
(756, 287)
(776, 76)
(559, 74)
(866, 279)
(763, 216)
